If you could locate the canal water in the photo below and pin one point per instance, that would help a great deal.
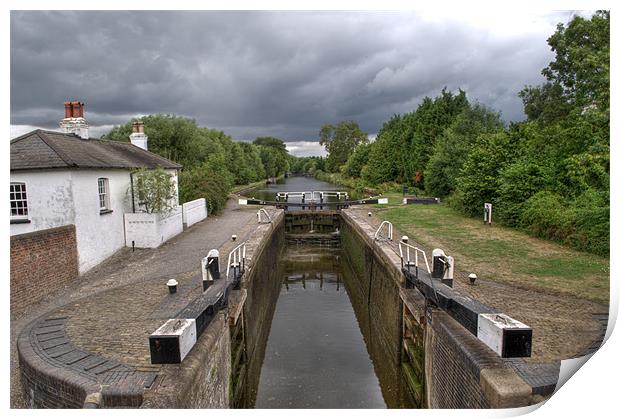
(324, 347)
(298, 184)
(315, 355)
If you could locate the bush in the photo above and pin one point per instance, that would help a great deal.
(592, 223)
(206, 181)
(517, 183)
(548, 215)
(479, 180)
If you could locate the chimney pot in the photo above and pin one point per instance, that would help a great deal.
(67, 109)
(74, 121)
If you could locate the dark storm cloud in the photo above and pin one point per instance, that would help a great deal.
(263, 73)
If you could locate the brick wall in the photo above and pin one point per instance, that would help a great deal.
(455, 364)
(41, 262)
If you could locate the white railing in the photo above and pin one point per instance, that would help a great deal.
(236, 260)
(389, 226)
(405, 257)
(337, 195)
(263, 216)
(311, 195)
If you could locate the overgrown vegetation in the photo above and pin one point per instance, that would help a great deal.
(547, 175)
(212, 161)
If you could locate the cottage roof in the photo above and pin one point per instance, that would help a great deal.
(41, 149)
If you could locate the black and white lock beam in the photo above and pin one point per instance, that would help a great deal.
(508, 337)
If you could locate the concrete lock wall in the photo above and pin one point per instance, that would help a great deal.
(450, 368)
(194, 211)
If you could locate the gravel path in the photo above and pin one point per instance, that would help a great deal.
(177, 256)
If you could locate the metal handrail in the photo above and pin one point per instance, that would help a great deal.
(263, 211)
(312, 195)
(389, 224)
(238, 259)
(408, 253)
(408, 264)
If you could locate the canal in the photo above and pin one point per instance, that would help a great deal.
(323, 347)
(298, 184)
(315, 355)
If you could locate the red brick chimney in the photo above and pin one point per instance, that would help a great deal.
(74, 121)
(138, 137)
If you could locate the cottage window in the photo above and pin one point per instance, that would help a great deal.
(104, 194)
(19, 201)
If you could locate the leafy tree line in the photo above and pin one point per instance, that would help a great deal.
(212, 161)
(547, 175)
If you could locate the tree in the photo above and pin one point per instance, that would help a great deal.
(340, 140)
(273, 155)
(385, 159)
(479, 180)
(207, 181)
(155, 190)
(357, 161)
(546, 103)
(405, 143)
(581, 64)
(452, 147)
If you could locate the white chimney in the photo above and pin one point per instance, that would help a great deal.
(74, 122)
(138, 137)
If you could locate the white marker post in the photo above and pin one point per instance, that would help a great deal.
(488, 213)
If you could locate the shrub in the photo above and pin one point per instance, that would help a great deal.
(206, 181)
(592, 222)
(548, 215)
(517, 183)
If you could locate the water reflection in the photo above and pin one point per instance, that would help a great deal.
(297, 184)
(315, 355)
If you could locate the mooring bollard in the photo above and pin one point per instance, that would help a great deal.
(210, 268)
(442, 267)
(472, 278)
(172, 286)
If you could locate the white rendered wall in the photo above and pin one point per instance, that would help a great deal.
(145, 230)
(194, 211)
(99, 236)
(61, 197)
(50, 200)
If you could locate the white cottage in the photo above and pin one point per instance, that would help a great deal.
(66, 178)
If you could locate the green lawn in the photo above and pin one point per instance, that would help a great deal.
(502, 254)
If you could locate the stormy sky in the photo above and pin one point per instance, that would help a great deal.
(261, 73)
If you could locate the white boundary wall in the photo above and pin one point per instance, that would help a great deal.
(194, 211)
(151, 230)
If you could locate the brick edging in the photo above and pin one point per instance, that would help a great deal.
(37, 375)
(57, 374)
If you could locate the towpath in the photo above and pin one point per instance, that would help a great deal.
(177, 258)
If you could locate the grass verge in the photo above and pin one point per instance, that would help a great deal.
(503, 254)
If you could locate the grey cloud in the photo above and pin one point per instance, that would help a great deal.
(261, 73)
